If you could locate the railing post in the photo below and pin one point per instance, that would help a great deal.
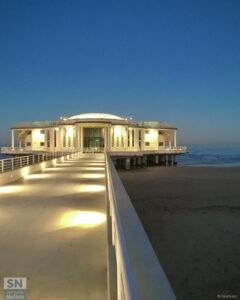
(27, 160)
(12, 159)
(2, 166)
(20, 161)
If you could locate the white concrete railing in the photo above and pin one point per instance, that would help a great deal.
(3, 149)
(18, 150)
(9, 164)
(139, 273)
(184, 148)
(148, 149)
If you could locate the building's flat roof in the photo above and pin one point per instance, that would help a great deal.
(94, 118)
(152, 124)
(35, 124)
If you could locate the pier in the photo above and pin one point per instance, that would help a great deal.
(69, 227)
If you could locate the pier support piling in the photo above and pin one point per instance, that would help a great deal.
(156, 159)
(175, 159)
(162, 159)
(127, 163)
(169, 159)
(144, 160)
(139, 160)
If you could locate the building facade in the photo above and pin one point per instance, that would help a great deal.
(94, 132)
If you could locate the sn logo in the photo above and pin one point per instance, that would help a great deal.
(15, 283)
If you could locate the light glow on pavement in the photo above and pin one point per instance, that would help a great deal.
(84, 219)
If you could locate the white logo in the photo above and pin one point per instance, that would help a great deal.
(15, 288)
(15, 283)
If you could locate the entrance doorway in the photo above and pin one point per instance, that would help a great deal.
(93, 140)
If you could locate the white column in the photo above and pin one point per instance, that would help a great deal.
(175, 138)
(105, 139)
(81, 138)
(52, 139)
(12, 139)
(60, 146)
(109, 138)
(76, 137)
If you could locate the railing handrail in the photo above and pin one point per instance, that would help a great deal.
(131, 289)
(13, 163)
(139, 273)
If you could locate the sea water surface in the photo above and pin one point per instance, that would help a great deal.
(211, 155)
(205, 155)
(3, 156)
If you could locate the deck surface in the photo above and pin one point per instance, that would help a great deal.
(40, 238)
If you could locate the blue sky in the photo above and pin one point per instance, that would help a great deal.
(173, 61)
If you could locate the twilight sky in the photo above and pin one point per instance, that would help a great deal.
(174, 61)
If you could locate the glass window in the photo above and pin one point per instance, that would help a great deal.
(133, 138)
(139, 138)
(55, 138)
(48, 138)
(93, 138)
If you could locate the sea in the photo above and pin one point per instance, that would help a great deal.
(211, 155)
(205, 155)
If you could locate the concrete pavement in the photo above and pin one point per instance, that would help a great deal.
(53, 231)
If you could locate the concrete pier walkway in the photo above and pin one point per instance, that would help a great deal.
(53, 231)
